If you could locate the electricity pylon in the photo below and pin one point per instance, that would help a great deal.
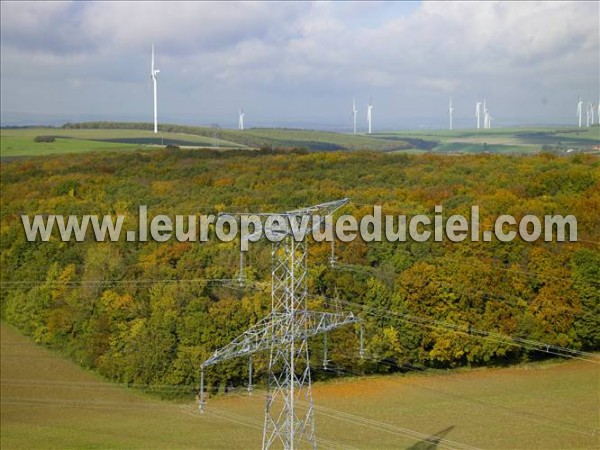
(289, 414)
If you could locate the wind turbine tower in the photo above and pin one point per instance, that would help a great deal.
(450, 109)
(478, 114)
(588, 111)
(241, 119)
(153, 73)
(486, 115)
(354, 112)
(579, 110)
(370, 115)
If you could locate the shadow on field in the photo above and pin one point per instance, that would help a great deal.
(431, 443)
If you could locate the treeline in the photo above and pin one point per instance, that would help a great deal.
(149, 313)
(106, 125)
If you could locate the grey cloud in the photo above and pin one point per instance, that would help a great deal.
(185, 28)
(44, 27)
(214, 55)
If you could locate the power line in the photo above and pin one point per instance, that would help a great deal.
(114, 281)
(530, 274)
(285, 332)
(465, 329)
(51, 384)
(565, 426)
(474, 332)
(383, 426)
(255, 424)
(466, 262)
(85, 385)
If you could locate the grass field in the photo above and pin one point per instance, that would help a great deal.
(48, 402)
(502, 140)
(24, 146)
(313, 139)
(19, 142)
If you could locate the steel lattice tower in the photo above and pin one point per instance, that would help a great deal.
(289, 410)
(289, 414)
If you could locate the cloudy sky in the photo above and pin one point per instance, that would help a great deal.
(299, 64)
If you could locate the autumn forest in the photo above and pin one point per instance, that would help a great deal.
(148, 313)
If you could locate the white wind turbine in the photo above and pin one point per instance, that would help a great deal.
(370, 115)
(486, 115)
(579, 110)
(478, 114)
(153, 73)
(450, 109)
(354, 112)
(241, 119)
(588, 111)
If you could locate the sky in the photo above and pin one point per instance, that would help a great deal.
(299, 64)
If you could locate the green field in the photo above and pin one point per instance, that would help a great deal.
(313, 139)
(99, 137)
(502, 140)
(20, 142)
(48, 402)
(24, 146)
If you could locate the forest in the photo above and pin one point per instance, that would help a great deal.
(148, 313)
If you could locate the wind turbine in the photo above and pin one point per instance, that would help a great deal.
(478, 113)
(241, 119)
(370, 115)
(591, 108)
(354, 112)
(486, 115)
(579, 110)
(587, 114)
(153, 73)
(450, 109)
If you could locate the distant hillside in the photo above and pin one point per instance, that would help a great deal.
(313, 140)
(113, 136)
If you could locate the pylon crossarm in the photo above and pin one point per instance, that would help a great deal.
(273, 330)
(286, 229)
(285, 332)
(323, 209)
(321, 322)
(256, 338)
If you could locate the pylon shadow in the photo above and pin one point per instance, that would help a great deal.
(432, 442)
